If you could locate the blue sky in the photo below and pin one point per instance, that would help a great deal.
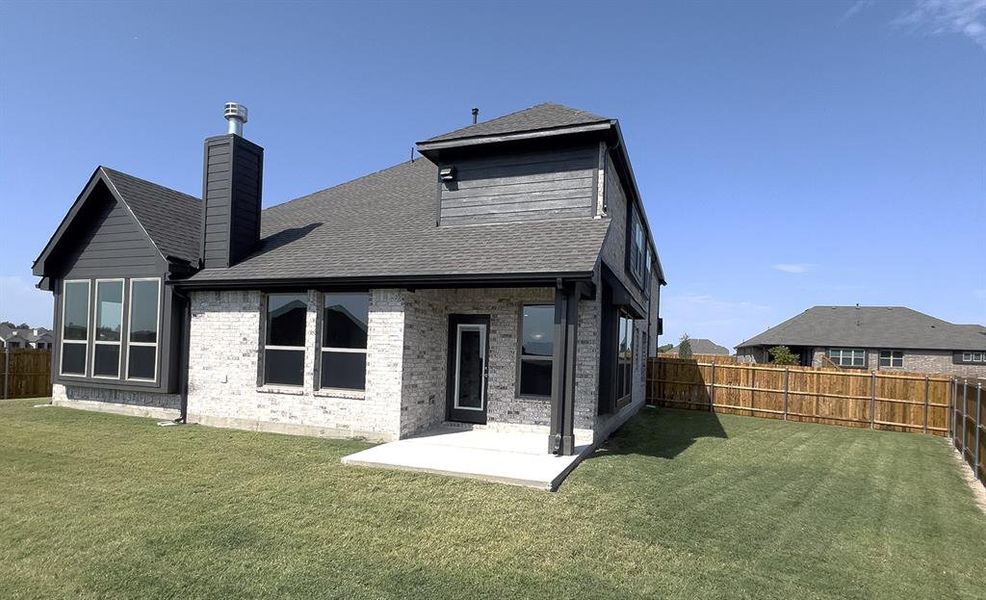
(789, 154)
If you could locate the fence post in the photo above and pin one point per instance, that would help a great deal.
(712, 390)
(951, 410)
(926, 391)
(872, 399)
(965, 410)
(6, 373)
(979, 413)
(787, 373)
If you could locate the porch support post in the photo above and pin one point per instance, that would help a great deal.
(561, 438)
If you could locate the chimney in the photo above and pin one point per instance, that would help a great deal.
(231, 186)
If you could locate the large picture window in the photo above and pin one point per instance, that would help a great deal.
(109, 328)
(284, 343)
(847, 357)
(537, 347)
(624, 357)
(142, 342)
(75, 328)
(345, 319)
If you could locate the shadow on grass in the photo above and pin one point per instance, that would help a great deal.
(663, 432)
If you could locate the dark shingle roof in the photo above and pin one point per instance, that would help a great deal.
(871, 327)
(705, 346)
(383, 225)
(172, 219)
(542, 116)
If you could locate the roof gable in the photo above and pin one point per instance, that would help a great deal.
(169, 219)
(888, 327)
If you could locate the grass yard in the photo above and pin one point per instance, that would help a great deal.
(679, 505)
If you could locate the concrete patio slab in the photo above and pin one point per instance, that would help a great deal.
(513, 458)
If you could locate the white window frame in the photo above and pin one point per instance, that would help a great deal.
(157, 337)
(893, 355)
(95, 342)
(967, 357)
(842, 354)
(85, 343)
(266, 347)
(481, 328)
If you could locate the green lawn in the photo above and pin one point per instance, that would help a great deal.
(678, 505)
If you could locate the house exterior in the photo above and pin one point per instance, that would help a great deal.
(702, 346)
(506, 280)
(25, 337)
(884, 338)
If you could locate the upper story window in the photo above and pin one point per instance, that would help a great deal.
(624, 357)
(75, 328)
(109, 325)
(143, 326)
(537, 348)
(345, 322)
(284, 342)
(847, 357)
(637, 255)
(891, 358)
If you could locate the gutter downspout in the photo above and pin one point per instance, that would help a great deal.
(185, 348)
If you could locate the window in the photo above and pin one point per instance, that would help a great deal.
(637, 256)
(537, 348)
(848, 357)
(624, 357)
(142, 340)
(284, 344)
(345, 320)
(974, 357)
(109, 325)
(891, 358)
(75, 328)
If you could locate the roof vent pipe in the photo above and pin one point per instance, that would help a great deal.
(475, 116)
(236, 115)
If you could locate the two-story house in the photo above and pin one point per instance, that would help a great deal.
(507, 279)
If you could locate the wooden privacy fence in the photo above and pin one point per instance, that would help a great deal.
(879, 400)
(26, 373)
(966, 424)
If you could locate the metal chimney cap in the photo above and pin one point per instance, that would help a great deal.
(234, 110)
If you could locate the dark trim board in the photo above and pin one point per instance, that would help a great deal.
(396, 281)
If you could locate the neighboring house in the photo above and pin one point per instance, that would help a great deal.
(875, 337)
(21, 337)
(507, 280)
(702, 346)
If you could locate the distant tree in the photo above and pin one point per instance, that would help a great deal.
(782, 355)
(685, 347)
(664, 348)
(23, 326)
(8, 324)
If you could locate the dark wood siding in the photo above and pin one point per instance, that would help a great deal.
(231, 188)
(520, 187)
(113, 245)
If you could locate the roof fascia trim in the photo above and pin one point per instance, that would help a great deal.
(425, 146)
(393, 281)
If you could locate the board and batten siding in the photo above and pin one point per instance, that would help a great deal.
(520, 187)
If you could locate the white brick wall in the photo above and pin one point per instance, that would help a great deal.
(225, 371)
(406, 365)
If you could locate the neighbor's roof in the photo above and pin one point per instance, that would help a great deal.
(871, 327)
(172, 219)
(704, 346)
(383, 225)
(535, 118)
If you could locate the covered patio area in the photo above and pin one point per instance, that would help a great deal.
(515, 458)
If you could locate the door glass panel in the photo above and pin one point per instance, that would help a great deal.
(470, 369)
